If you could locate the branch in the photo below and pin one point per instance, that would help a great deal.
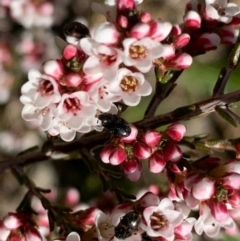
(226, 72)
(162, 92)
(201, 108)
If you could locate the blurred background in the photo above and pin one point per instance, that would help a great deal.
(24, 46)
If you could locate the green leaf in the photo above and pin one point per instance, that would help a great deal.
(228, 115)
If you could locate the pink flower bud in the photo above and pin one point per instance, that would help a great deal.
(134, 176)
(231, 181)
(152, 138)
(159, 30)
(141, 150)
(54, 68)
(176, 30)
(234, 199)
(209, 41)
(192, 20)
(176, 131)
(12, 221)
(140, 30)
(122, 21)
(130, 165)
(232, 166)
(72, 197)
(219, 211)
(156, 162)
(69, 52)
(105, 153)
(117, 156)
(168, 51)
(145, 17)
(228, 34)
(172, 152)
(106, 33)
(148, 199)
(73, 79)
(46, 9)
(125, 4)
(203, 189)
(181, 61)
(181, 40)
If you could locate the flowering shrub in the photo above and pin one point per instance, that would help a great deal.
(77, 99)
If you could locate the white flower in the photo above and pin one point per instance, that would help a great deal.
(102, 97)
(41, 90)
(106, 33)
(221, 10)
(44, 116)
(130, 86)
(102, 59)
(161, 220)
(209, 225)
(74, 107)
(105, 229)
(63, 129)
(141, 53)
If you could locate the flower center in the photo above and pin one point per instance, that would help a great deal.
(72, 105)
(219, 8)
(129, 150)
(106, 230)
(45, 87)
(138, 52)
(158, 221)
(103, 91)
(107, 59)
(129, 84)
(221, 194)
(42, 112)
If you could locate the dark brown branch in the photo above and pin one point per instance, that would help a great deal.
(162, 91)
(89, 141)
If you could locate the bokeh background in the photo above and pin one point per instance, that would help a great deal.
(22, 49)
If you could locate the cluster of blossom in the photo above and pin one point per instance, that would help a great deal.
(24, 227)
(32, 13)
(160, 149)
(151, 217)
(210, 24)
(96, 72)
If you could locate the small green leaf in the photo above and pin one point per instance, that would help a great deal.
(228, 115)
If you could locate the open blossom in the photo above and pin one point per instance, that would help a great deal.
(161, 220)
(222, 10)
(42, 90)
(102, 59)
(209, 225)
(18, 226)
(130, 86)
(141, 53)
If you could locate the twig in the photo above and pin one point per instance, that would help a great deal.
(226, 72)
(162, 91)
(183, 113)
